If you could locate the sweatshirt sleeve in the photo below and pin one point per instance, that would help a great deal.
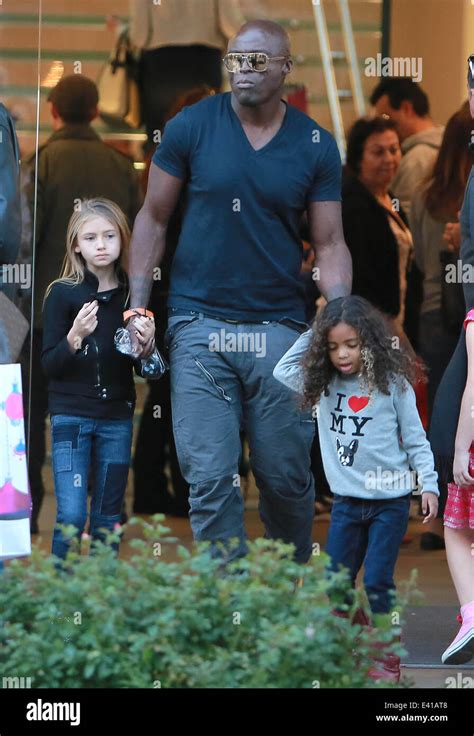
(414, 438)
(57, 321)
(288, 369)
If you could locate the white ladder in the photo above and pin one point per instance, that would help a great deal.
(327, 59)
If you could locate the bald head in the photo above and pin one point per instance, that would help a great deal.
(251, 87)
(274, 37)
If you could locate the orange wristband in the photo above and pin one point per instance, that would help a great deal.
(137, 311)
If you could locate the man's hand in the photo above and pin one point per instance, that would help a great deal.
(84, 325)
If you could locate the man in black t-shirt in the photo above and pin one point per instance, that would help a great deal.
(250, 165)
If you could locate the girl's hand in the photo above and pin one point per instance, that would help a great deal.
(429, 506)
(145, 333)
(84, 324)
(461, 473)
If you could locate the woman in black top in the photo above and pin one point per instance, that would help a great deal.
(91, 390)
(376, 228)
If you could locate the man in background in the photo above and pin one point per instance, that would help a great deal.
(408, 106)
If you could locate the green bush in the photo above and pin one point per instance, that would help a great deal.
(147, 622)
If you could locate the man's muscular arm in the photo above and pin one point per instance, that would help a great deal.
(332, 257)
(148, 241)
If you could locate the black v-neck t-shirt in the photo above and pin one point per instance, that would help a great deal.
(239, 253)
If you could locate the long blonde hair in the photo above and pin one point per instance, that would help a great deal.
(74, 265)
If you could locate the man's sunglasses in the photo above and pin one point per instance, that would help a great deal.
(258, 61)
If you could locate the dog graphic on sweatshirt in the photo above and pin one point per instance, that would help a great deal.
(346, 453)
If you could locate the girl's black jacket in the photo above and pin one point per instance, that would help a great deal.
(95, 381)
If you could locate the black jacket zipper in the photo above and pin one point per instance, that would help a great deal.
(103, 391)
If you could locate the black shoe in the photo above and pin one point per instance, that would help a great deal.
(430, 541)
(34, 529)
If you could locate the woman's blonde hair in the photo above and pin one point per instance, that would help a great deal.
(74, 265)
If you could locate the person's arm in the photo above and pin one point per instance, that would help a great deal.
(414, 438)
(168, 171)
(465, 430)
(288, 369)
(148, 241)
(332, 257)
(10, 212)
(62, 336)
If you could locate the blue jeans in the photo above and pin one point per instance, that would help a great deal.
(370, 532)
(80, 445)
(222, 382)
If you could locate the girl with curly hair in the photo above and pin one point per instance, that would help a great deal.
(372, 441)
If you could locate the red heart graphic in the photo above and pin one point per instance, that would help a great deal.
(358, 402)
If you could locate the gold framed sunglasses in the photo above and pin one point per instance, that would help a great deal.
(258, 61)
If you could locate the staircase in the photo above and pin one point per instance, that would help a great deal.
(74, 36)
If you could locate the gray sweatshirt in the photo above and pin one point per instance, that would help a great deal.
(420, 152)
(371, 445)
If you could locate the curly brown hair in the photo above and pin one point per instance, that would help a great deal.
(381, 362)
